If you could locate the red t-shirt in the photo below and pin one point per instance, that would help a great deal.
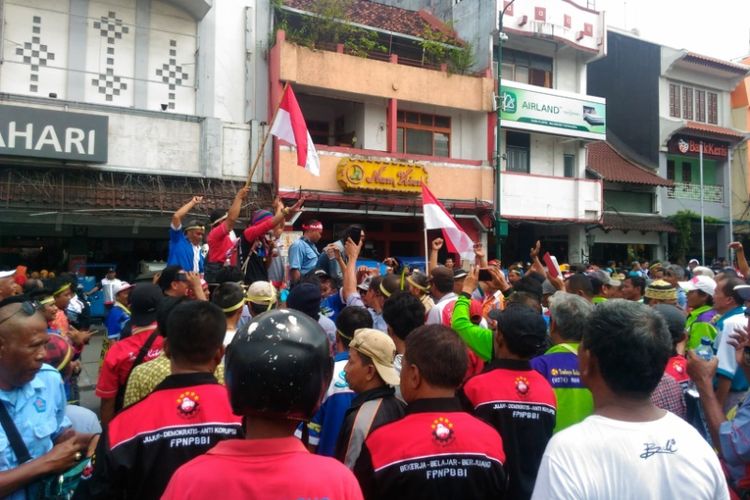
(677, 368)
(120, 358)
(220, 245)
(262, 468)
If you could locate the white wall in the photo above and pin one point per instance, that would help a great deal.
(375, 134)
(236, 160)
(545, 198)
(16, 76)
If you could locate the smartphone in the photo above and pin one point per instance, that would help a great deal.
(485, 275)
(355, 234)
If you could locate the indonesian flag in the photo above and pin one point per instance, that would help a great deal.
(437, 217)
(290, 126)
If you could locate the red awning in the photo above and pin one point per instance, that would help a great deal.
(712, 130)
(611, 166)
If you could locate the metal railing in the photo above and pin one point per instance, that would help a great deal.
(689, 191)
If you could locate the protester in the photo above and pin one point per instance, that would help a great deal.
(185, 243)
(7, 280)
(513, 398)
(137, 456)
(436, 450)
(728, 436)
(303, 254)
(569, 315)
(108, 285)
(324, 427)
(669, 394)
(731, 384)
(32, 400)
(261, 297)
(230, 298)
(403, 313)
(305, 297)
(628, 448)
(119, 315)
(371, 375)
(221, 240)
(373, 300)
(175, 282)
(441, 288)
(660, 292)
(700, 300)
(258, 239)
(633, 288)
(580, 284)
(144, 344)
(419, 286)
(278, 369)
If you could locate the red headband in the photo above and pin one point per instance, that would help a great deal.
(313, 227)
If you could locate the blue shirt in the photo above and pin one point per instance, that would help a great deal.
(734, 436)
(303, 255)
(326, 424)
(38, 410)
(182, 252)
(115, 321)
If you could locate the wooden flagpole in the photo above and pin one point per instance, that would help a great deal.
(265, 137)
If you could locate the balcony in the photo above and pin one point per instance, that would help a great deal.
(685, 191)
(338, 73)
(535, 197)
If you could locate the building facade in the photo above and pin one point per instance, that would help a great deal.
(113, 114)
(740, 159)
(670, 110)
(384, 117)
(547, 117)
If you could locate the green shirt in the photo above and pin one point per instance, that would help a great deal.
(559, 365)
(698, 329)
(478, 339)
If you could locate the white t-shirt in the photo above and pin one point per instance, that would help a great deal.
(602, 458)
(435, 316)
(108, 287)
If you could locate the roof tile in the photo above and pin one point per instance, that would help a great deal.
(612, 166)
(612, 221)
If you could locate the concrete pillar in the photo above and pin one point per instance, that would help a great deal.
(578, 252)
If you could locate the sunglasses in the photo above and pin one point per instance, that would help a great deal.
(28, 308)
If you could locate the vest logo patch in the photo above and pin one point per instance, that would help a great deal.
(442, 430)
(188, 404)
(40, 405)
(522, 385)
(678, 367)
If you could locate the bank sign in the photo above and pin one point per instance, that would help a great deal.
(551, 111)
(42, 133)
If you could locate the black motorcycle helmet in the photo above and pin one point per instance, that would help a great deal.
(278, 364)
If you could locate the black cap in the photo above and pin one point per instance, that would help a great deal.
(167, 276)
(144, 302)
(305, 298)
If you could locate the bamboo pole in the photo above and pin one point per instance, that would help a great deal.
(262, 148)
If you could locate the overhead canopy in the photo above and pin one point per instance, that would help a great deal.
(607, 163)
(196, 8)
(643, 223)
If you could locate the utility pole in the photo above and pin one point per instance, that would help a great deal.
(499, 135)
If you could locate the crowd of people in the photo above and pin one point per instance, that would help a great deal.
(235, 372)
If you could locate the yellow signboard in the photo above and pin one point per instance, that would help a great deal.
(380, 176)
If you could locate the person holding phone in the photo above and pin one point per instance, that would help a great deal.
(303, 254)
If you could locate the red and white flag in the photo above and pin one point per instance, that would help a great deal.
(437, 217)
(290, 126)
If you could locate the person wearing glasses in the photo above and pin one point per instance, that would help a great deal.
(35, 436)
(185, 243)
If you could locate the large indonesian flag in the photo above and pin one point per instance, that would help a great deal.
(290, 126)
(437, 217)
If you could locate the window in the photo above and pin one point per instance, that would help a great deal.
(713, 108)
(674, 100)
(517, 152)
(687, 103)
(527, 68)
(423, 134)
(569, 165)
(691, 103)
(700, 105)
(687, 172)
(318, 131)
(670, 170)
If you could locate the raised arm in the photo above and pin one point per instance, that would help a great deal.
(184, 210)
(234, 211)
(742, 265)
(350, 269)
(437, 244)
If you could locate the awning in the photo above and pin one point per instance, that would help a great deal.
(643, 223)
(610, 165)
(713, 62)
(712, 131)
